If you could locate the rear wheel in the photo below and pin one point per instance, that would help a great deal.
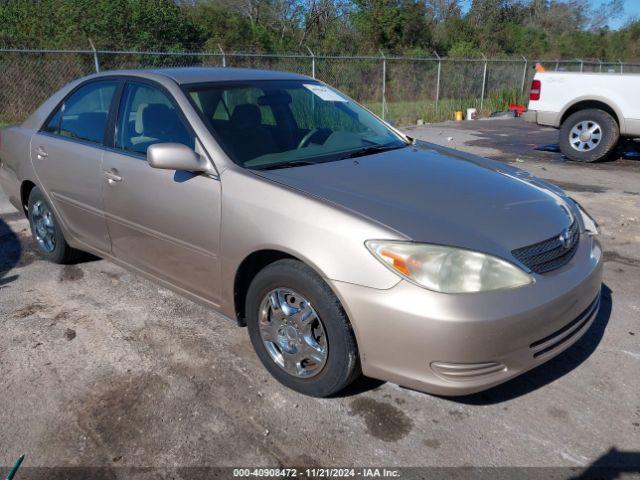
(46, 230)
(589, 135)
(300, 331)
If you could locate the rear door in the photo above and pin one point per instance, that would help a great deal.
(163, 222)
(67, 156)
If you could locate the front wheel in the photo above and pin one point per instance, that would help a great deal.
(589, 135)
(300, 331)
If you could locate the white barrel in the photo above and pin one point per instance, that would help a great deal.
(472, 113)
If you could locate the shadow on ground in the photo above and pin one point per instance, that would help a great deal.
(612, 465)
(10, 253)
(361, 385)
(19, 249)
(627, 150)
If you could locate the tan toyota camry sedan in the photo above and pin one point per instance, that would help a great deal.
(343, 245)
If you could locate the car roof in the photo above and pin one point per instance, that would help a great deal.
(187, 75)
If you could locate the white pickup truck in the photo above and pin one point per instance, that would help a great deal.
(592, 110)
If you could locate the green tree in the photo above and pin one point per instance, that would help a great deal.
(535, 28)
(392, 25)
(111, 24)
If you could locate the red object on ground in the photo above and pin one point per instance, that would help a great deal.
(517, 108)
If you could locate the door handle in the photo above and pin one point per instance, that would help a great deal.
(41, 153)
(112, 175)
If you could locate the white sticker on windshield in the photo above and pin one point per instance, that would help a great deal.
(324, 93)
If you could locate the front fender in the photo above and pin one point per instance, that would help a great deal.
(259, 214)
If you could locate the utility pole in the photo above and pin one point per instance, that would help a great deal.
(384, 83)
(524, 74)
(484, 81)
(313, 63)
(224, 57)
(438, 81)
(95, 57)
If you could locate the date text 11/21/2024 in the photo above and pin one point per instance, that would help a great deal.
(317, 472)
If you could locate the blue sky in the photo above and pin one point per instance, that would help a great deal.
(631, 8)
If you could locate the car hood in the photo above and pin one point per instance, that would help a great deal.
(433, 194)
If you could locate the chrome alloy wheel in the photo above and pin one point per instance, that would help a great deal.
(292, 333)
(43, 226)
(585, 136)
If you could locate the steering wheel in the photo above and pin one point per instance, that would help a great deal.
(312, 133)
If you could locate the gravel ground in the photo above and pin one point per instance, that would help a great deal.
(100, 367)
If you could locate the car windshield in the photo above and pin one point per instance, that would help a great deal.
(283, 123)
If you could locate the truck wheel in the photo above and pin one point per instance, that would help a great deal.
(46, 230)
(300, 331)
(589, 135)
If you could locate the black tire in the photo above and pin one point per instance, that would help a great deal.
(607, 143)
(342, 365)
(62, 252)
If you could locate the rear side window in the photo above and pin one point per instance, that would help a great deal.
(83, 115)
(147, 116)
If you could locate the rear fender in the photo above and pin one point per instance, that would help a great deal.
(15, 162)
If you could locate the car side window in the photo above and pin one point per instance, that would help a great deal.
(146, 117)
(83, 115)
(54, 123)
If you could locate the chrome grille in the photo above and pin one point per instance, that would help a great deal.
(550, 254)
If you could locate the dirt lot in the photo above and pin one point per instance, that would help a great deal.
(101, 367)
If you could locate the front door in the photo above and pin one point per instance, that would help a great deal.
(67, 157)
(163, 222)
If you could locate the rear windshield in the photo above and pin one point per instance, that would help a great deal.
(264, 124)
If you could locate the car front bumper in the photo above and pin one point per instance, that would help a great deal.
(461, 344)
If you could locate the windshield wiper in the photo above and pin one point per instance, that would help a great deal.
(371, 150)
(361, 152)
(294, 163)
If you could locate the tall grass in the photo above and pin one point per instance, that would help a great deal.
(408, 113)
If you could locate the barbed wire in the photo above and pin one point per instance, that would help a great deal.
(405, 89)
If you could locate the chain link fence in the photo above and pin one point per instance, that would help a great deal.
(401, 89)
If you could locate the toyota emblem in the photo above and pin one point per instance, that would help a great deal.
(565, 238)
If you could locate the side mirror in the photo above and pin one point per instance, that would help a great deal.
(175, 156)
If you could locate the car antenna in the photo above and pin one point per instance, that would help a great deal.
(15, 468)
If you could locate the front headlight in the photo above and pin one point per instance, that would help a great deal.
(590, 225)
(447, 269)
